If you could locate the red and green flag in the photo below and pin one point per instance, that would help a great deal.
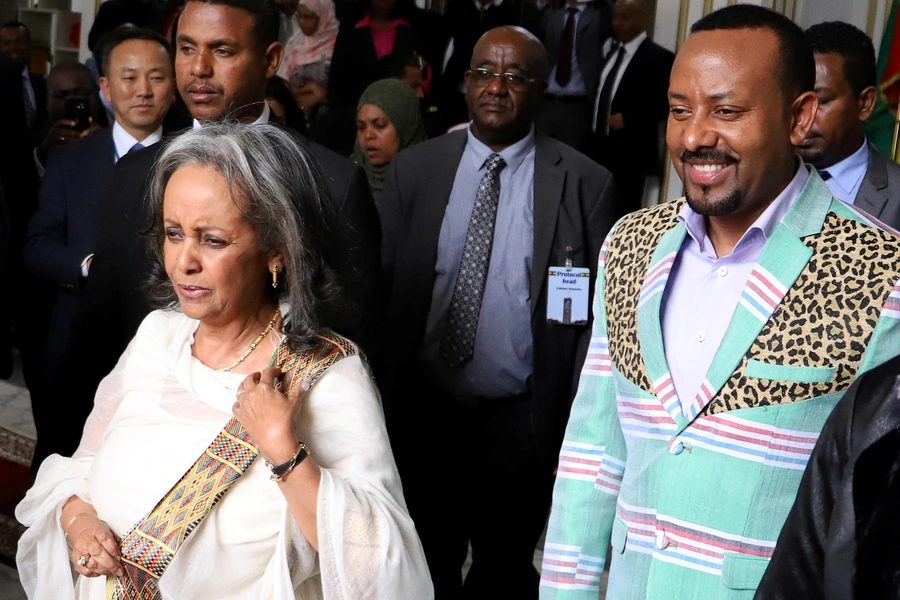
(880, 127)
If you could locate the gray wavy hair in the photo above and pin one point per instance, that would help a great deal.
(286, 204)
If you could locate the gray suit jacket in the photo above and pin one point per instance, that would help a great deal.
(882, 180)
(594, 27)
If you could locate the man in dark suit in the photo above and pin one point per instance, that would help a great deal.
(479, 376)
(837, 146)
(574, 36)
(15, 41)
(226, 53)
(631, 104)
(140, 85)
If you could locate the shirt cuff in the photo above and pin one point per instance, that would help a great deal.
(84, 264)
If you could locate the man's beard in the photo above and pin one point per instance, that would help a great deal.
(712, 208)
(715, 208)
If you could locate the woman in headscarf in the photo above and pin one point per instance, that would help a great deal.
(388, 120)
(307, 56)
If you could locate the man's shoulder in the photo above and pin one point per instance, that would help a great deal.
(647, 222)
(892, 168)
(92, 149)
(570, 158)
(433, 149)
(652, 50)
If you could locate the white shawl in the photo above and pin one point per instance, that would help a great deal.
(156, 413)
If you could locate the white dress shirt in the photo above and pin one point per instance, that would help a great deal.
(263, 118)
(630, 48)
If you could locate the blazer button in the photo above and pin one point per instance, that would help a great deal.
(662, 542)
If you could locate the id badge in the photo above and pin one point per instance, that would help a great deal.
(567, 300)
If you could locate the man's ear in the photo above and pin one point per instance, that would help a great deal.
(104, 88)
(274, 54)
(866, 101)
(803, 115)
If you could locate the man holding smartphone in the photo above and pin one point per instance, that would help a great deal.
(66, 82)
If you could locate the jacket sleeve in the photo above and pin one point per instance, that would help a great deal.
(589, 475)
(46, 253)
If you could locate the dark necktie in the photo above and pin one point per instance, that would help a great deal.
(458, 337)
(605, 98)
(566, 44)
(28, 103)
(825, 175)
(136, 147)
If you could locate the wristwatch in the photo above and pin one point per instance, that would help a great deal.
(279, 472)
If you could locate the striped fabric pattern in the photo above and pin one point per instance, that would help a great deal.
(892, 305)
(565, 567)
(597, 361)
(665, 391)
(763, 293)
(656, 279)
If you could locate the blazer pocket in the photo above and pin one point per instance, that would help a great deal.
(619, 535)
(742, 572)
(762, 370)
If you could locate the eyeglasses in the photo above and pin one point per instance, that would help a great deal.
(482, 77)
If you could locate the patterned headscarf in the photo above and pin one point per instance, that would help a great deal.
(302, 49)
(402, 107)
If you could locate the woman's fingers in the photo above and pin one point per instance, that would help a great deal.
(95, 552)
(270, 376)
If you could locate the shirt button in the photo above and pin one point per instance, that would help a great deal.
(662, 542)
(676, 448)
(723, 271)
(700, 337)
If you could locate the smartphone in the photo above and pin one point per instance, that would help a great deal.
(78, 110)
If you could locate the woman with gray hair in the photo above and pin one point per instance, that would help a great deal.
(201, 473)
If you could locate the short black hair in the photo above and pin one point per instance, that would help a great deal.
(126, 33)
(796, 64)
(17, 25)
(266, 21)
(393, 66)
(854, 46)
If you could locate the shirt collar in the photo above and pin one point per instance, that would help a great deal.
(366, 21)
(632, 46)
(766, 222)
(25, 74)
(514, 155)
(848, 172)
(124, 141)
(263, 118)
(478, 4)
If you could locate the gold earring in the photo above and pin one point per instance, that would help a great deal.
(275, 276)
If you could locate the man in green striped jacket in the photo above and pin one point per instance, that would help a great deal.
(726, 327)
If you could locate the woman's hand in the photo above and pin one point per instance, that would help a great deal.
(93, 538)
(268, 415)
(311, 95)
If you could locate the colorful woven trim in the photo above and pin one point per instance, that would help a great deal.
(149, 547)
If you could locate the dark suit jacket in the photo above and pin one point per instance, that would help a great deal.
(114, 303)
(840, 539)
(642, 98)
(881, 181)
(39, 85)
(63, 230)
(572, 207)
(354, 64)
(594, 27)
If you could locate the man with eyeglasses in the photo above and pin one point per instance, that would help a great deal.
(482, 228)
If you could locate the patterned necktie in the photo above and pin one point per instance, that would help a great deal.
(605, 99)
(458, 338)
(566, 45)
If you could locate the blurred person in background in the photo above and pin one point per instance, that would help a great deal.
(389, 119)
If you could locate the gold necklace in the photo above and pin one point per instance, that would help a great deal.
(255, 343)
